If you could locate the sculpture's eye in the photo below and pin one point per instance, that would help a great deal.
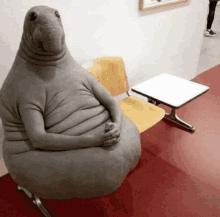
(57, 14)
(33, 16)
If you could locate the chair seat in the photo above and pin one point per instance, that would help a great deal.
(141, 112)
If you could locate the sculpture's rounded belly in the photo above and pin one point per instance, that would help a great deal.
(87, 172)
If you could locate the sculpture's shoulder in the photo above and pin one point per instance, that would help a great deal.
(22, 75)
(73, 75)
(21, 85)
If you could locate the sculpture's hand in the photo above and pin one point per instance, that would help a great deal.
(115, 134)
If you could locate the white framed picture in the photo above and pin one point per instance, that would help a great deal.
(148, 4)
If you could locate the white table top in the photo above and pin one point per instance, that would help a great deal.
(170, 90)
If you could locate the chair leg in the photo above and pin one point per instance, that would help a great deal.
(36, 201)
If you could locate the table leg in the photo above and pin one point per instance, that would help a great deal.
(154, 102)
(177, 121)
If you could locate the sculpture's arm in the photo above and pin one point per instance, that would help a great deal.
(107, 100)
(34, 125)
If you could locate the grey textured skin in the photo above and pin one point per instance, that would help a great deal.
(45, 77)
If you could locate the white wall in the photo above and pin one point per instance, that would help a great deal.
(163, 40)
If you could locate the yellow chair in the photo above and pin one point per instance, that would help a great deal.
(110, 72)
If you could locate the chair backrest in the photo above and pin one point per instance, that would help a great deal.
(110, 72)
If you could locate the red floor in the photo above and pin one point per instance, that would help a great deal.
(178, 173)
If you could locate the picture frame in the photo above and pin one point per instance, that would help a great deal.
(149, 4)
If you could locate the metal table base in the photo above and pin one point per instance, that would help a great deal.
(172, 117)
